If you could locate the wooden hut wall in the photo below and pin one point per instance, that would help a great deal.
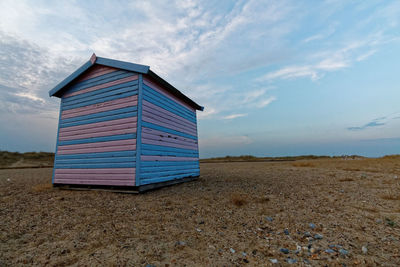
(169, 143)
(97, 129)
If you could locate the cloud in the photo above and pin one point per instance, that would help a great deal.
(234, 116)
(225, 141)
(381, 121)
(265, 102)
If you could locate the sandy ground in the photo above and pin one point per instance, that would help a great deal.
(235, 214)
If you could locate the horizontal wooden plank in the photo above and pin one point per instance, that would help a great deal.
(98, 139)
(166, 158)
(116, 75)
(161, 90)
(97, 134)
(108, 91)
(172, 123)
(94, 72)
(131, 153)
(171, 149)
(165, 113)
(91, 176)
(96, 182)
(167, 153)
(167, 163)
(95, 160)
(146, 118)
(168, 168)
(167, 178)
(167, 173)
(149, 131)
(100, 114)
(96, 149)
(99, 124)
(100, 107)
(107, 118)
(96, 171)
(96, 165)
(103, 85)
(99, 144)
(169, 142)
(167, 130)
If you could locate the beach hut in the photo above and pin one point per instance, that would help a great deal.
(122, 126)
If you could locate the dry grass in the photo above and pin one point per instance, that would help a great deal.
(303, 164)
(42, 187)
(239, 199)
(391, 196)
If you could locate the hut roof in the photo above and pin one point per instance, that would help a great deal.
(59, 88)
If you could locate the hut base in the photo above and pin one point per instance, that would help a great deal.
(123, 189)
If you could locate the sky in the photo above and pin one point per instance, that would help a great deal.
(276, 78)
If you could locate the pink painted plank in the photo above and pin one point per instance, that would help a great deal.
(161, 90)
(97, 171)
(98, 134)
(101, 86)
(97, 182)
(167, 158)
(99, 144)
(98, 149)
(173, 123)
(98, 124)
(160, 113)
(108, 105)
(122, 126)
(163, 143)
(167, 125)
(89, 176)
(169, 135)
(147, 105)
(95, 71)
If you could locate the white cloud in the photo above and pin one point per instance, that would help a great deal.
(266, 102)
(234, 116)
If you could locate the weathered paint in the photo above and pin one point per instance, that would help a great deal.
(96, 143)
(169, 134)
(122, 125)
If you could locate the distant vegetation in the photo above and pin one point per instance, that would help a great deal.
(245, 158)
(25, 160)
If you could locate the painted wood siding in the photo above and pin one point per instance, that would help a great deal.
(97, 129)
(169, 143)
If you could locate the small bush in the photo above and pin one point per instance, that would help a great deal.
(303, 164)
(238, 200)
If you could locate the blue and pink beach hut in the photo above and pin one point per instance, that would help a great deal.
(123, 126)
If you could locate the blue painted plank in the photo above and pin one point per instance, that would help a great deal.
(169, 168)
(100, 114)
(109, 92)
(129, 153)
(157, 95)
(108, 118)
(167, 130)
(166, 153)
(101, 100)
(170, 149)
(167, 173)
(96, 165)
(108, 77)
(163, 104)
(98, 139)
(167, 163)
(96, 160)
(169, 178)
(70, 99)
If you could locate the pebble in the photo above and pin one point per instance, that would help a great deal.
(378, 221)
(286, 231)
(284, 250)
(395, 177)
(329, 250)
(273, 260)
(307, 234)
(343, 252)
(291, 261)
(198, 230)
(244, 254)
(180, 243)
(312, 250)
(232, 250)
(364, 249)
(318, 236)
(270, 219)
(312, 226)
(8, 179)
